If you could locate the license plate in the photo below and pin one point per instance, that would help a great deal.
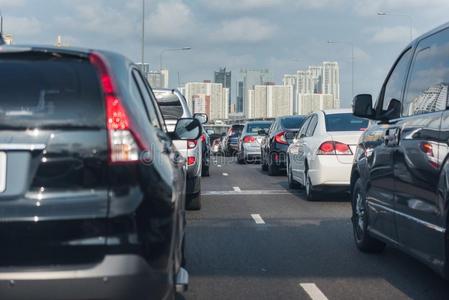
(2, 172)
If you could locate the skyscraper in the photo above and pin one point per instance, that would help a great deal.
(331, 81)
(224, 77)
(250, 79)
(239, 104)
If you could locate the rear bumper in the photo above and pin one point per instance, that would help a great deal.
(328, 171)
(116, 277)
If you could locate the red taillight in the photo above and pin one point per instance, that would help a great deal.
(427, 148)
(203, 138)
(191, 144)
(191, 160)
(249, 139)
(334, 148)
(124, 144)
(280, 138)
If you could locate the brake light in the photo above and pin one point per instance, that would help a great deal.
(249, 139)
(280, 138)
(191, 160)
(334, 148)
(191, 144)
(124, 143)
(203, 138)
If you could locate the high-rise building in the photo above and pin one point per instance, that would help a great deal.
(314, 80)
(269, 101)
(218, 102)
(292, 80)
(250, 79)
(432, 99)
(239, 104)
(308, 103)
(224, 77)
(331, 81)
(158, 79)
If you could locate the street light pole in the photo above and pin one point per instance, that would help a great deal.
(409, 17)
(171, 49)
(143, 37)
(352, 60)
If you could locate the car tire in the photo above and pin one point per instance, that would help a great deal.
(363, 240)
(205, 171)
(273, 170)
(311, 194)
(292, 184)
(241, 158)
(263, 163)
(193, 201)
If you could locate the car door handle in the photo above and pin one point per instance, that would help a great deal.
(391, 137)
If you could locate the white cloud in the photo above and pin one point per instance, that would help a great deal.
(370, 7)
(397, 34)
(250, 5)
(22, 26)
(11, 3)
(172, 20)
(246, 30)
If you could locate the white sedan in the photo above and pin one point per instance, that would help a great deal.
(321, 155)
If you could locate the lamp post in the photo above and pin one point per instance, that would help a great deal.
(382, 13)
(352, 60)
(171, 49)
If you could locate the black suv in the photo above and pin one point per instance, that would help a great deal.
(400, 177)
(91, 188)
(276, 141)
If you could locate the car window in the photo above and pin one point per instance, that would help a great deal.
(345, 122)
(170, 105)
(253, 129)
(312, 126)
(395, 84)
(292, 122)
(304, 127)
(429, 76)
(149, 104)
(40, 90)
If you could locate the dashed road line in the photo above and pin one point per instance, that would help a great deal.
(225, 174)
(257, 218)
(237, 189)
(246, 192)
(219, 166)
(313, 291)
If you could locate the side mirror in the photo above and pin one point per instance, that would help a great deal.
(203, 118)
(393, 111)
(362, 106)
(262, 132)
(187, 129)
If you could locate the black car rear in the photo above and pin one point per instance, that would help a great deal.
(279, 137)
(86, 210)
(232, 139)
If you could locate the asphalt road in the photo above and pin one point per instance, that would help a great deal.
(255, 239)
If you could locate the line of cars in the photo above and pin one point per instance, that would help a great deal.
(94, 181)
(392, 155)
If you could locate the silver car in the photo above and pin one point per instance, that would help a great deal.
(174, 106)
(250, 139)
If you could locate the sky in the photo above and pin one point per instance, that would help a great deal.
(280, 35)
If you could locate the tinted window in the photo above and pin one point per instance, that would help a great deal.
(149, 105)
(429, 76)
(345, 122)
(303, 129)
(312, 126)
(254, 128)
(235, 130)
(395, 83)
(36, 91)
(292, 123)
(170, 105)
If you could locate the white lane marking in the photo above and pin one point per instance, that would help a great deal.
(258, 219)
(225, 174)
(237, 189)
(219, 166)
(247, 192)
(313, 291)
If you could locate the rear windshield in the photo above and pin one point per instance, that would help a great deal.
(345, 122)
(235, 130)
(45, 91)
(292, 122)
(169, 104)
(254, 128)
